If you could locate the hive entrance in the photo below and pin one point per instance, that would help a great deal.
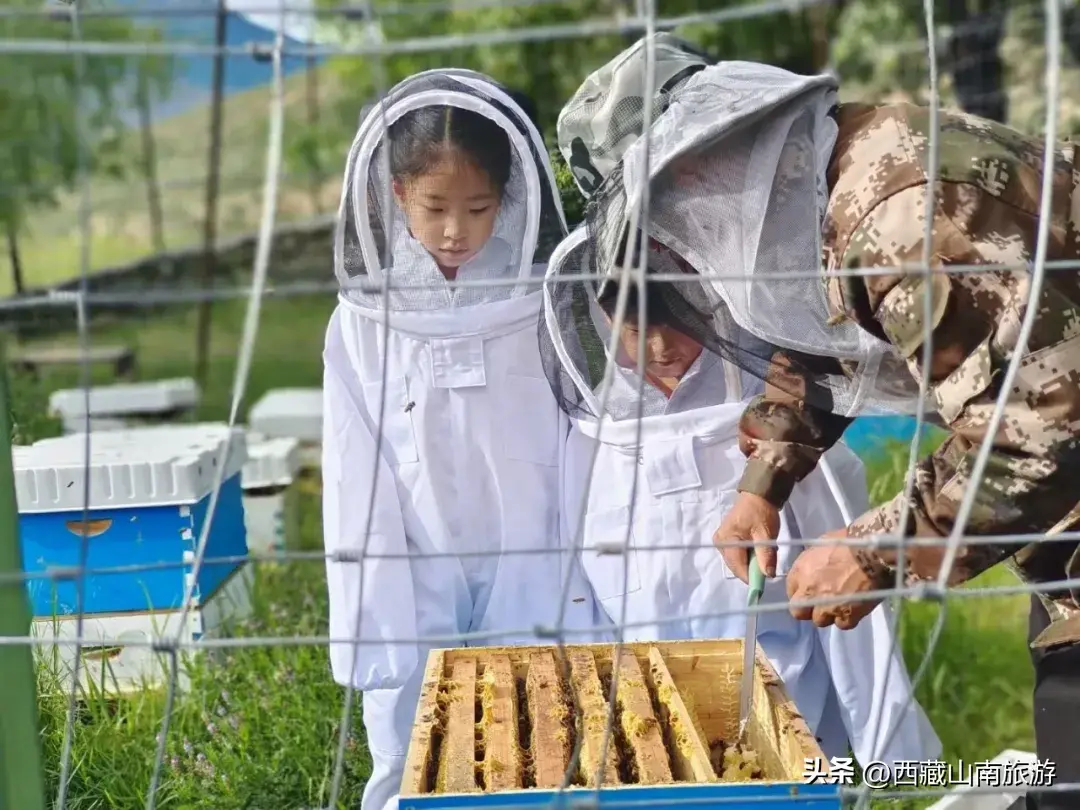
(491, 720)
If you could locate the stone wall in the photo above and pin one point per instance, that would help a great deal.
(301, 253)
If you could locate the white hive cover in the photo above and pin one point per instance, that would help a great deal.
(272, 462)
(122, 399)
(143, 466)
(295, 412)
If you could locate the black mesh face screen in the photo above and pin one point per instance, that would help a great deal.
(684, 304)
(551, 228)
(573, 339)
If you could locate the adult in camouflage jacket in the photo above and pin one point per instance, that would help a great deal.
(986, 212)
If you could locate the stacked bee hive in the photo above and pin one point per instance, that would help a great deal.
(502, 719)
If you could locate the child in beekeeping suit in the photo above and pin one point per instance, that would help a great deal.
(650, 489)
(442, 440)
(680, 464)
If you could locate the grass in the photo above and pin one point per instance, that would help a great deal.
(257, 730)
(288, 349)
(260, 732)
(977, 690)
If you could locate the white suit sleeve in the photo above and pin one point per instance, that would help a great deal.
(866, 666)
(378, 592)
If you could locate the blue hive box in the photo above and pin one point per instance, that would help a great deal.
(149, 497)
(677, 708)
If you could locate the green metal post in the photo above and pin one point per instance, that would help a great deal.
(22, 786)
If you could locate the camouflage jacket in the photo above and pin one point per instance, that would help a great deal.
(986, 213)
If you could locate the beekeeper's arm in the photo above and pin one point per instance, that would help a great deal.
(377, 591)
(782, 437)
(1029, 482)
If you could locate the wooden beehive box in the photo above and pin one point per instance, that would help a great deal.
(497, 726)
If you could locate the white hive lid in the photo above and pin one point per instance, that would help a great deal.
(272, 462)
(144, 466)
(121, 399)
(294, 412)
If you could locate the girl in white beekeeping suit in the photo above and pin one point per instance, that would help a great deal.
(658, 484)
(441, 434)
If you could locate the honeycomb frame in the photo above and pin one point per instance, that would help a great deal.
(494, 719)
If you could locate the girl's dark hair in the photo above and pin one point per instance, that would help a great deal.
(657, 310)
(420, 138)
(663, 303)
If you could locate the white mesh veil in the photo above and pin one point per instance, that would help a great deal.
(737, 171)
(575, 337)
(372, 238)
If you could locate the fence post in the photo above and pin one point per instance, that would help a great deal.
(22, 786)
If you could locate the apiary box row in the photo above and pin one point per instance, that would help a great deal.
(285, 435)
(142, 502)
(283, 413)
(149, 494)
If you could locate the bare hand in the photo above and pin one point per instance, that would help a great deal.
(831, 571)
(751, 519)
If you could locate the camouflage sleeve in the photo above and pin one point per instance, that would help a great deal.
(782, 436)
(975, 322)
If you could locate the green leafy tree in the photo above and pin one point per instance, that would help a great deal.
(549, 69)
(880, 50)
(797, 40)
(50, 117)
(572, 200)
(881, 65)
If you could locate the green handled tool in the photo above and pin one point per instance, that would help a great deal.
(746, 691)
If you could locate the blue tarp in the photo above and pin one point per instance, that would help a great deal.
(867, 435)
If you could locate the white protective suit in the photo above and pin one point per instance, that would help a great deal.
(471, 436)
(850, 685)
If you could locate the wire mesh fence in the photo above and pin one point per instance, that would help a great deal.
(170, 635)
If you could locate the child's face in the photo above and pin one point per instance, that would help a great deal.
(668, 352)
(451, 210)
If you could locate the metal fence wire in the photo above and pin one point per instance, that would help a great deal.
(66, 743)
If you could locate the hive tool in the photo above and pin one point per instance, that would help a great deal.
(756, 584)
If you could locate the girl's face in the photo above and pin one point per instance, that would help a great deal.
(668, 352)
(450, 209)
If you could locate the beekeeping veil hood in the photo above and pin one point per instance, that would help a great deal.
(607, 113)
(736, 167)
(372, 239)
(576, 346)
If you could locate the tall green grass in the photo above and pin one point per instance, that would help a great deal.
(257, 727)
